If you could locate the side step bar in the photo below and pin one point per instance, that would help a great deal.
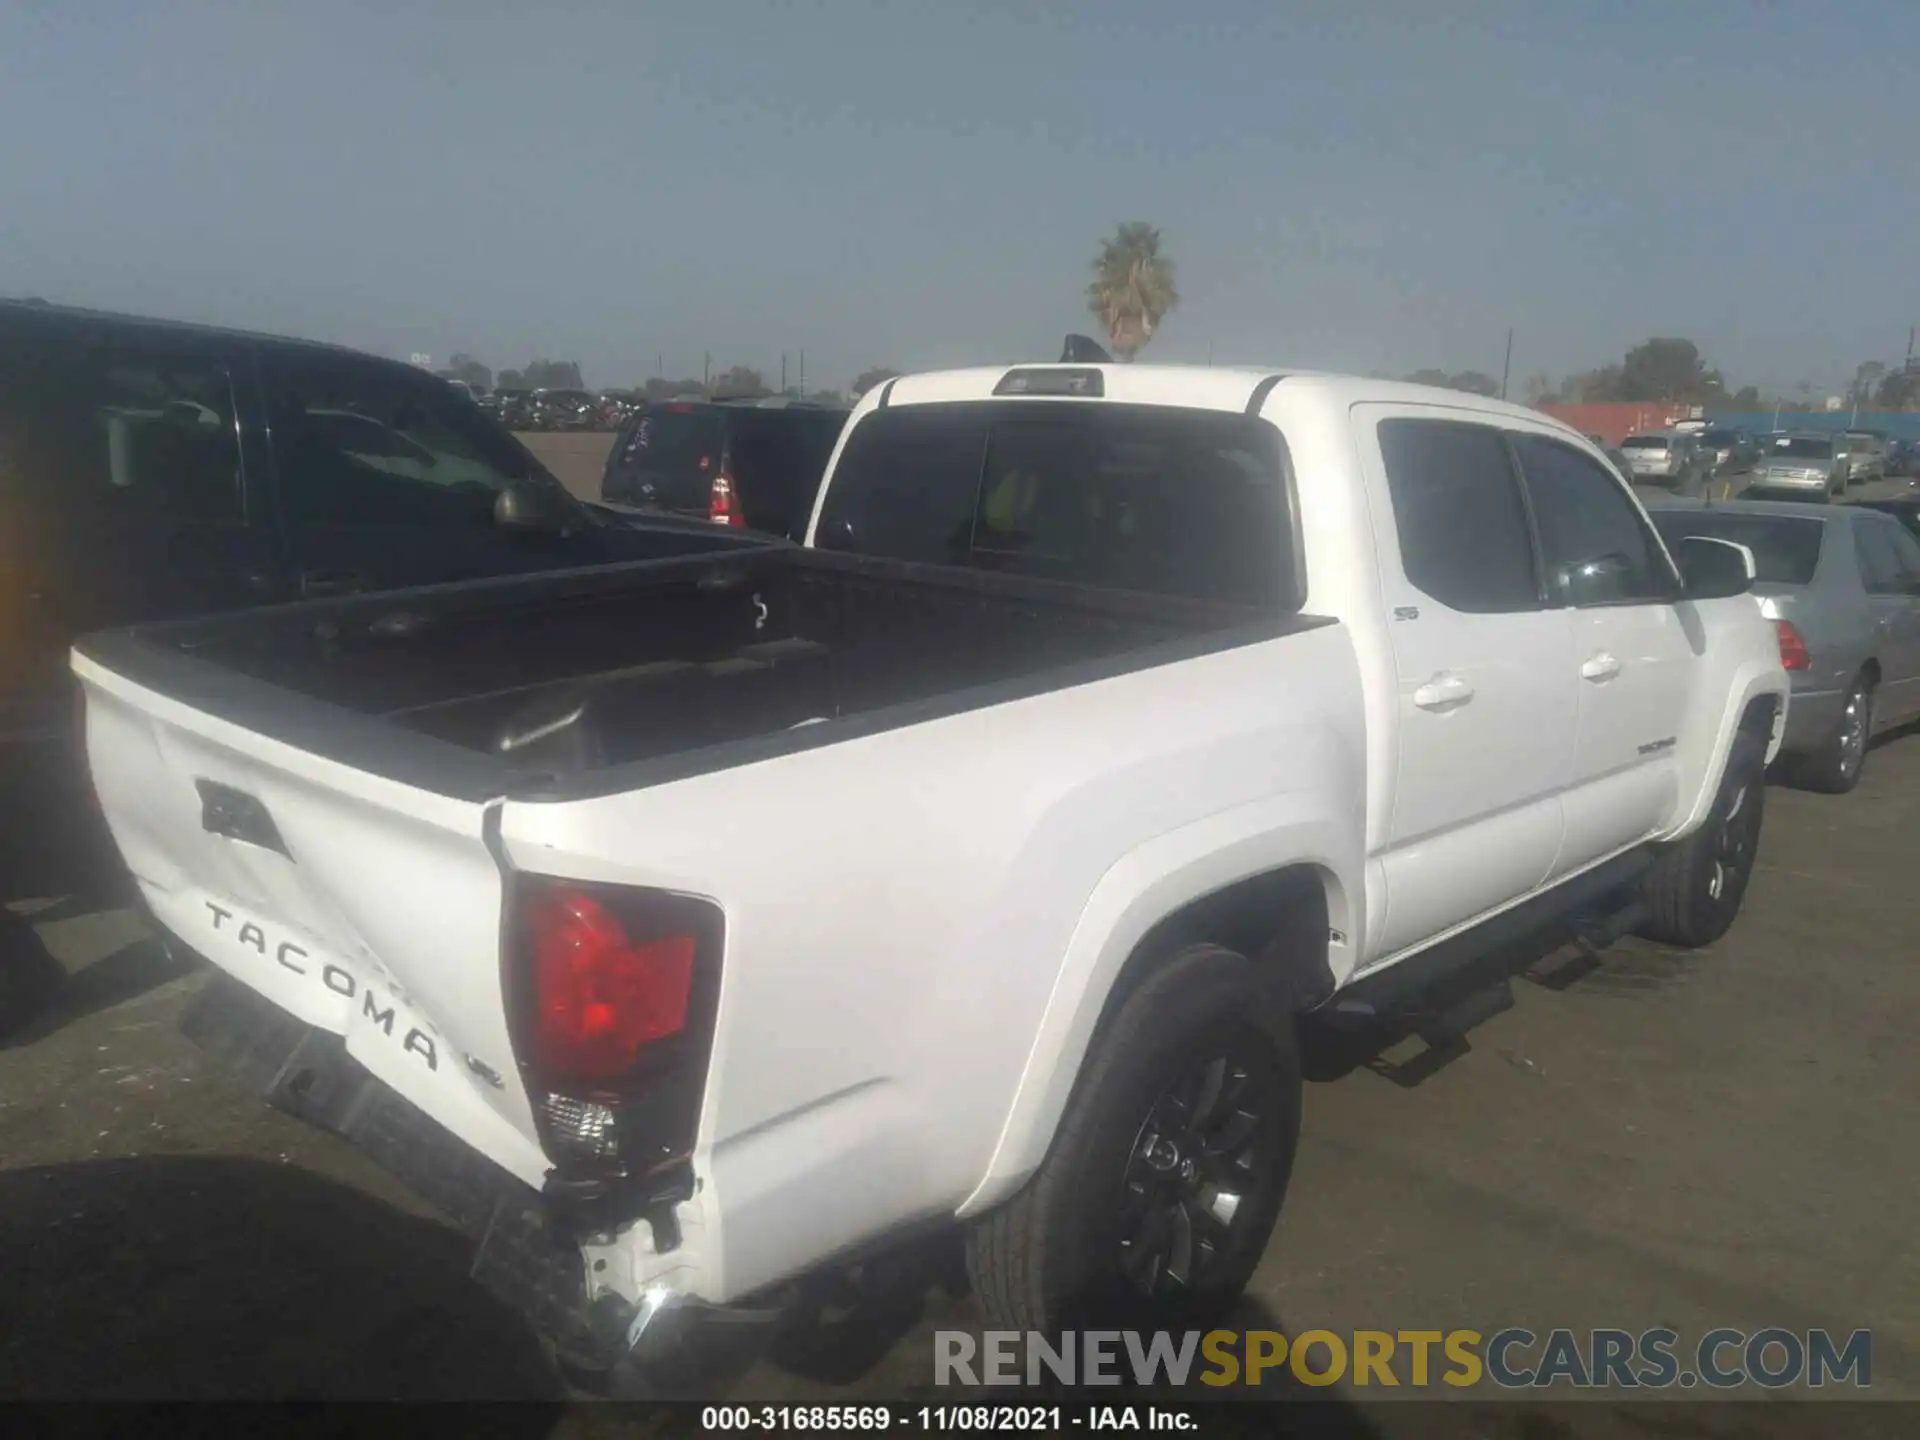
(1591, 903)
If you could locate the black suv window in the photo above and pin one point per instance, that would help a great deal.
(359, 445)
(1458, 513)
(1596, 548)
(667, 457)
(1191, 503)
(99, 427)
(777, 458)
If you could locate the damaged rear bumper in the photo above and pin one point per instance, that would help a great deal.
(667, 1342)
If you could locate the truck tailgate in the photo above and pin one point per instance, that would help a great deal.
(361, 905)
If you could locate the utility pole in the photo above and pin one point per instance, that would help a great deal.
(660, 364)
(1907, 369)
(803, 374)
(1506, 367)
(706, 370)
(783, 372)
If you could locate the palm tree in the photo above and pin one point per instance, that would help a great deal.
(1132, 288)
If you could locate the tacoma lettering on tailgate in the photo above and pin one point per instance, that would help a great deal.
(337, 979)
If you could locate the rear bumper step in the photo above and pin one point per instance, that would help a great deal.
(308, 1073)
(664, 1344)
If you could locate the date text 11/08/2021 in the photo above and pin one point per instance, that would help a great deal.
(1035, 1419)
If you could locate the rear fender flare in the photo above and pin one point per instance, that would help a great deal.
(1136, 893)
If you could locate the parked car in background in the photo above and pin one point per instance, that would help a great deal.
(1807, 466)
(1864, 454)
(512, 408)
(748, 464)
(613, 408)
(1733, 450)
(564, 410)
(1842, 586)
(1675, 459)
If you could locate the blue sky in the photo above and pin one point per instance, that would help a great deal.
(1362, 186)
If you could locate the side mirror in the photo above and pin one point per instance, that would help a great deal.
(526, 507)
(1714, 569)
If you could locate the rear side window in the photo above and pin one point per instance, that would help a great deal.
(1880, 568)
(96, 426)
(1597, 550)
(1655, 443)
(1458, 513)
(1192, 503)
(1908, 551)
(1785, 551)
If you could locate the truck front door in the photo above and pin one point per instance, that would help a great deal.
(1631, 653)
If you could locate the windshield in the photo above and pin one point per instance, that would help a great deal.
(1801, 447)
(1786, 551)
(1644, 442)
(1719, 439)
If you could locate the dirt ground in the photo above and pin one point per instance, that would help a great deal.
(1727, 1138)
(576, 458)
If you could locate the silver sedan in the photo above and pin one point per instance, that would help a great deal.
(1842, 586)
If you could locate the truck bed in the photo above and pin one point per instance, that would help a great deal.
(562, 684)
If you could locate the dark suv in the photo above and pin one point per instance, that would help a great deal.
(151, 469)
(752, 465)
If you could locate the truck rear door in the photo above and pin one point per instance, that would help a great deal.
(1485, 698)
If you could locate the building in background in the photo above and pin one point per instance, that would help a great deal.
(1614, 421)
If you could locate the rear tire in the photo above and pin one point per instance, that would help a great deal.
(1160, 1191)
(1835, 767)
(1694, 891)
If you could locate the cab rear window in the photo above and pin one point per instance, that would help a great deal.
(1192, 503)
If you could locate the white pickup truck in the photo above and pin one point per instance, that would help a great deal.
(685, 928)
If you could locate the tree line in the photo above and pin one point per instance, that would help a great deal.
(1133, 291)
(737, 382)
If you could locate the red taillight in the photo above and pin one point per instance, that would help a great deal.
(723, 506)
(1793, 649)
(599, 996)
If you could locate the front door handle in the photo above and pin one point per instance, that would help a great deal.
(1443, 692)
(1599, 668)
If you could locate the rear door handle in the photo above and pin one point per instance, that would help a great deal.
(1600, 667)
(1443, 692)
